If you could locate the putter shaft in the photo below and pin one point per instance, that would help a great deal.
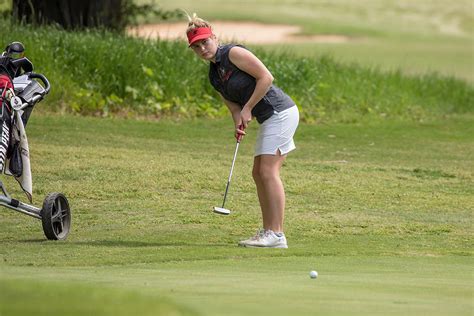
(230, 174)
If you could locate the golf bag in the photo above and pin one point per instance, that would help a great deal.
(19, 92)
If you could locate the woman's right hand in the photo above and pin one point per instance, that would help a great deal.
(239, 132)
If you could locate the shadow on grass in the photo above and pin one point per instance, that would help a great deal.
(122, 243)
(142, 244)
(32, 240)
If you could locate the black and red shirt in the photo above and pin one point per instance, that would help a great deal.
(238, 86)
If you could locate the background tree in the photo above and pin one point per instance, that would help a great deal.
(74, 14)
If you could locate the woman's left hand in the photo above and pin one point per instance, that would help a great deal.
(245, 116)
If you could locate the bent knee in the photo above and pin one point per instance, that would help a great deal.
(265, 173)
(256, 174)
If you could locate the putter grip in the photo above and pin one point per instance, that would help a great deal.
(239, 137)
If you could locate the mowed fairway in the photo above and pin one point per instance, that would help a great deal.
(381, 209)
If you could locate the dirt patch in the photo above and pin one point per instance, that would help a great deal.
(245, 32)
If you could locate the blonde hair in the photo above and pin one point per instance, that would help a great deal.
(195, 22)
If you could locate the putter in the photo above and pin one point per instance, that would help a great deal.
(221, 210)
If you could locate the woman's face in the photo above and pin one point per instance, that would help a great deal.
(206, 48)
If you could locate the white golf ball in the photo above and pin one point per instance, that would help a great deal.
(313, 274)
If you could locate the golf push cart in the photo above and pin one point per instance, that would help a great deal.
(20, 90)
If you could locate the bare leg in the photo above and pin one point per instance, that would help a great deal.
(271, 194)
(259, 184)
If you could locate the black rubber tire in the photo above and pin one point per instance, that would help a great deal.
(56, 216)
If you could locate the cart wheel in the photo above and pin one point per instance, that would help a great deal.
(56, 216)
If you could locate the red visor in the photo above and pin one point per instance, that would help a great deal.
(198, 33)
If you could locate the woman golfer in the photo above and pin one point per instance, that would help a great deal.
(245, 85)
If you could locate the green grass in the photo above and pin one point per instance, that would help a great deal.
(379, 197)
(267, 286)
(414, 36)
(382, 209)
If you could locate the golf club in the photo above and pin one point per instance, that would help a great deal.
(222, 210)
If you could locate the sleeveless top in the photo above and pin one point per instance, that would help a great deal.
(238, 86)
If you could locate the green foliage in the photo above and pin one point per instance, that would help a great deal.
(102, 73)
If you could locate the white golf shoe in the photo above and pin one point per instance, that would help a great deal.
(257, 236)
(265, 239)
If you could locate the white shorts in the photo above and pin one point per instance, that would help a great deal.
(276, 133)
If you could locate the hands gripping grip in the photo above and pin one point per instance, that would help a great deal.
(240, 136)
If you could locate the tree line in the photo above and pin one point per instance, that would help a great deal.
(74, 14)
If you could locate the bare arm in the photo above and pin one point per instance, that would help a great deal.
(248, 62)
(234, 109)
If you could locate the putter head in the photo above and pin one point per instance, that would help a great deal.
(221, 210)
